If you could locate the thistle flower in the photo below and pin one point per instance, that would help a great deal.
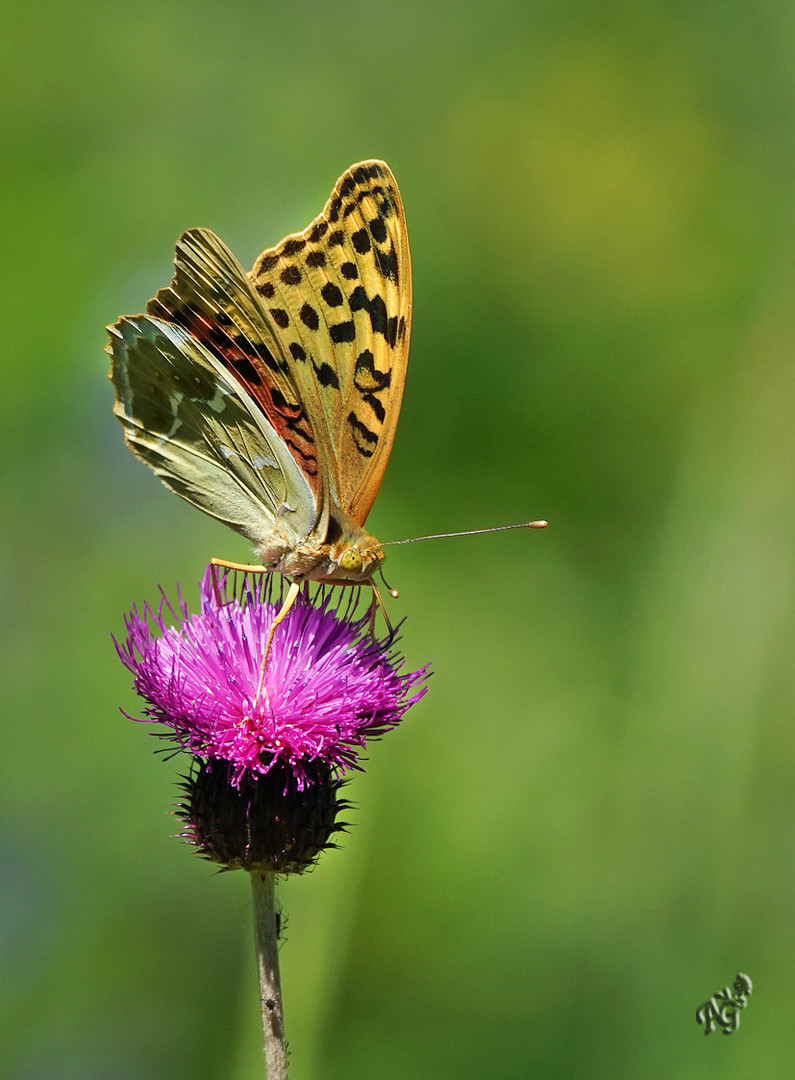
(267, 768)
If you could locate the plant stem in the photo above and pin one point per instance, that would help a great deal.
(266, 935)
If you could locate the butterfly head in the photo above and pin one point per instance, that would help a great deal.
(350, 553)
(354, 560)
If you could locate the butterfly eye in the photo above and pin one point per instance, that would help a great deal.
(350, 561)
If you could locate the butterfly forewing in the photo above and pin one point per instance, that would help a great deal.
(340, 295)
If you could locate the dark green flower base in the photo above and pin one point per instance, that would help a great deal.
(266, 824)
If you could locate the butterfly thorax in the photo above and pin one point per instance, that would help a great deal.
(348, 554)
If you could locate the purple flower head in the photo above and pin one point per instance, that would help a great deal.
(328, 686)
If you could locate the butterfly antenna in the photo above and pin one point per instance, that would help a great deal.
(392, 592)
(468, 532)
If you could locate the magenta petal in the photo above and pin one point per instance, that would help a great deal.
(328, 685)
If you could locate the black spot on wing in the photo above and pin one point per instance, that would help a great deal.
(376, 309)
(376, 406)
(309, 317)
(366, 377)
(266, 288)
(349, 271)
(341, 332)
(316, 258)
(294, 418)
(388, 203)
(291, 275)
(292, 247)
(216, 335)
(242, 343)
(361, 241)
(243, 366)
(326, 375)
(331, 294)
(267, 357)
(387, 264)
(278, 399)
(364, 440)
(378, 229)
(266, 263)
(280, 317)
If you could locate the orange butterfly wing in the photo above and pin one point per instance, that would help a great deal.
(340, 295)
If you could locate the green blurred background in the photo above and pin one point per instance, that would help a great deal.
(586, 828)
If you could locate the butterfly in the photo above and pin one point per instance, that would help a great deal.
(269, 399)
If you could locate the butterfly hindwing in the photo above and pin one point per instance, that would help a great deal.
(340, 295)
(212, 298)
(201, 433)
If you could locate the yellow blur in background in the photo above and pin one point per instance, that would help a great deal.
(586, 827)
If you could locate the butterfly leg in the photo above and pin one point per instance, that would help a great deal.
(216, 584)
(246, 568)
(378, 604)
(292, 595)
